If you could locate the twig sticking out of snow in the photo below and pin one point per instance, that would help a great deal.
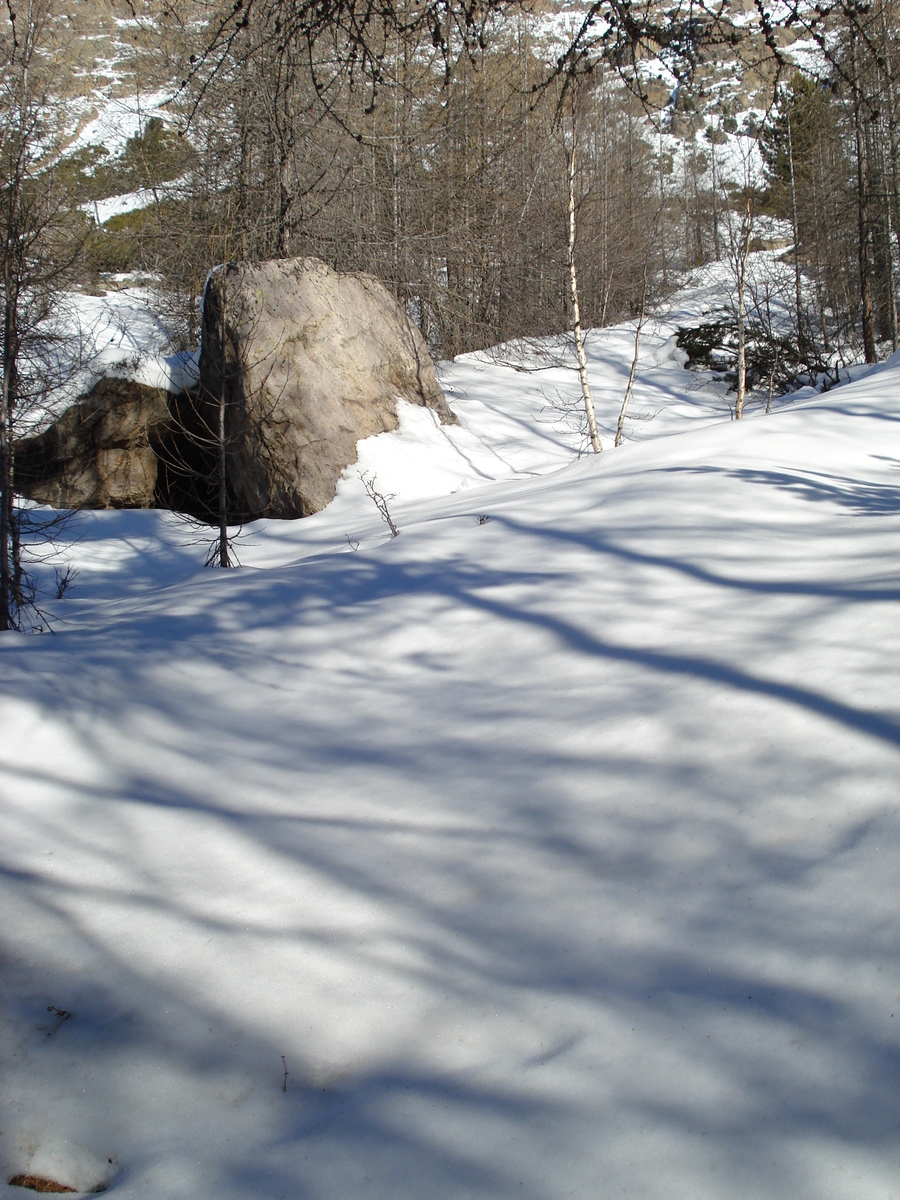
(380, 501)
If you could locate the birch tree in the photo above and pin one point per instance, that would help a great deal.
(629, 387)
(739, 233)
(577, 333)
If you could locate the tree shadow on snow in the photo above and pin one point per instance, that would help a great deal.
(607, 918)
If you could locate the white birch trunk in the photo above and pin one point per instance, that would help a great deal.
(743, 255)
(576, 308)
(620, 428)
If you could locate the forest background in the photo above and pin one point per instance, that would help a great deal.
(434, 157)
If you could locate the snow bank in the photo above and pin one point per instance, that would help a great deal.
(123, 334)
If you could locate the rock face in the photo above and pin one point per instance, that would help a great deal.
(101, 453)
(310, 362)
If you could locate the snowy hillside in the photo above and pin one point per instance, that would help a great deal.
(546, 850)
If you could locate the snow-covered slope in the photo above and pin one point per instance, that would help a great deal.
(552, 854)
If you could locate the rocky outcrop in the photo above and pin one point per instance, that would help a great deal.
(100, 453)
(309, 361)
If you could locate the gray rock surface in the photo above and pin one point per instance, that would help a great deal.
(311, 361)
(100, 452)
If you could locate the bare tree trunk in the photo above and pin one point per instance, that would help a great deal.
(893, 202)
(224, 560)
(662, 216)
(6, 513)
(717, 250)
(890, 267)
(772, 382)
(862, 209)
(620, 428)
(798, 295)
(38, 249)
(573, 283)
(743, 253)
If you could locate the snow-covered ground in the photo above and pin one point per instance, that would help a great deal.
(114, 206)
(122, 333)
(549, 849)
(115, 119)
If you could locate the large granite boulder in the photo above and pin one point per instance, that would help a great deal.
(310, 362)
(101, 452)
